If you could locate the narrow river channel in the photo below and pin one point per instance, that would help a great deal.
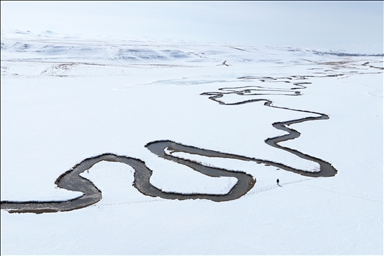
(71, 179)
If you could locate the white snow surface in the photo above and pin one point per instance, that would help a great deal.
(64, 99)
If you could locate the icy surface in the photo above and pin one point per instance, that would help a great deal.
(64, 99)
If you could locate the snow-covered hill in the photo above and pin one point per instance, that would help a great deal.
(67, 98)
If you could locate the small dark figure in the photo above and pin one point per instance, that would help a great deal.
(277, 181)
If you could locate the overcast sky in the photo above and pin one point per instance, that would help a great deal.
(352, 26)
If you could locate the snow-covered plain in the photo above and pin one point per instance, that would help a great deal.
(64, 99)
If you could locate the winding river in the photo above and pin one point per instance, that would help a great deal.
(71, 179)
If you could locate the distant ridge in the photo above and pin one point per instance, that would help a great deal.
(346, 54)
